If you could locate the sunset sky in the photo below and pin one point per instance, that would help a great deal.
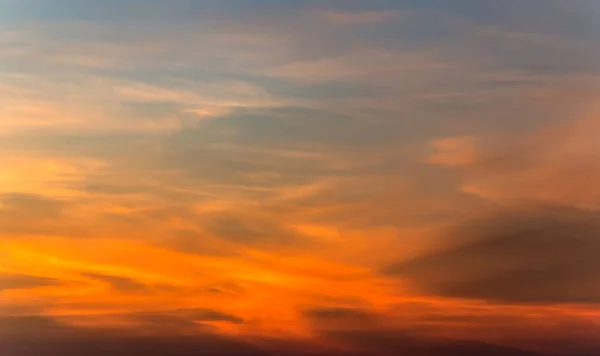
(299, 177)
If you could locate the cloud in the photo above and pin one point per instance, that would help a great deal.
(358, 17)
(390, 341)
(260, 158)
(18, 210)
(187, 315)
(536, 255)
(32, 203)
(120, 283)
(250, 230)
(55, 338)
(347, 314)
(332, 318)
(557, 164)
(49, 177)
(424, 326)
(18, 281)
(261, 152)
(455, 151)
(178, 322)
(24, 326)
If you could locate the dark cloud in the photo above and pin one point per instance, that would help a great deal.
(37, 336)
(195, 242)
(32, 203)
(337, 314)
(398, 342)
(537, 255)
(192, 315)
(19, 281)
(27, 326)
(16, 310)
(198, 346)
(225, 288)
(216, 231)
(120, 283)
(180, 322)
(249, 230)
(31, 214)
(371, 333)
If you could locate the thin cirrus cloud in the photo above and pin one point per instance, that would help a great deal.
(292, 177)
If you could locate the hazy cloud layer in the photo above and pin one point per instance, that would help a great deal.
(537, 255)
(70, 341)
(278, 177)
(12, 281)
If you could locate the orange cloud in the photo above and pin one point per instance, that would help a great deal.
(455, 151)
(556, 165)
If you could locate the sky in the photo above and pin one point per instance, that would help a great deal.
(286, 177)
